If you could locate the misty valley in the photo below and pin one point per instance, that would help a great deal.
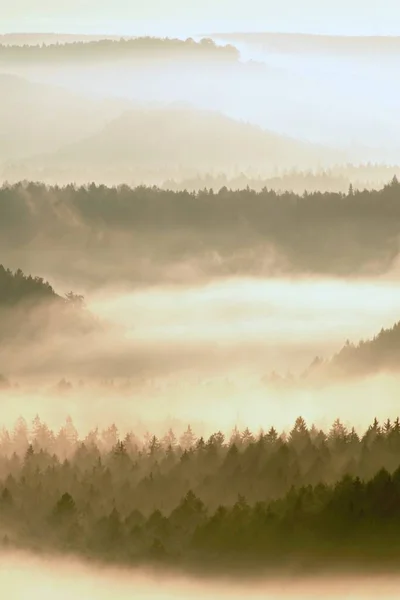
(199, 316)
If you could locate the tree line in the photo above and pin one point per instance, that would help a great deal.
(253, 499)
(138, 48)
(333, 180)
(225, 233)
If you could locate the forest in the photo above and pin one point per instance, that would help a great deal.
(250, 501)
(217, 234)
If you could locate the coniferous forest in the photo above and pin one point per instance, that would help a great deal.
(306, 497)
(223, 233)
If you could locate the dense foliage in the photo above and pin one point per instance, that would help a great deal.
(265, 499)
(134, 234)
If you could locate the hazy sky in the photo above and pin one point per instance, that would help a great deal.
(178, 17)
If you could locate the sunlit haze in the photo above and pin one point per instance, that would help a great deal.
(177, 17)
(199, 299)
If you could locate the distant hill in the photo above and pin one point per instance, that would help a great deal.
(309, 43)
(142, 48)
(184, 138)
(36, 39)
(52, 134)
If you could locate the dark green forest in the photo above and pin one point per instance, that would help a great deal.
(144, 48)
(310, 497)
(134, 235)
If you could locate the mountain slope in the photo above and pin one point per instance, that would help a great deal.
(177, 137)
(37, 118)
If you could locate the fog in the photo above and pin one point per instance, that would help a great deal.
(282, 90)
(360, 114)
(166, 356)
(22, 577)
(253, 325)
(208, 405)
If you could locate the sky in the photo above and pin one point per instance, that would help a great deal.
(191, 17)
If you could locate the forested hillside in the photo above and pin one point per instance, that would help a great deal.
(30, 308)
(381, 353)
(228, 233)
(16, 288)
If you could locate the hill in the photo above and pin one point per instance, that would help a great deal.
(175, 138)
(52, 134)
(36, 117)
